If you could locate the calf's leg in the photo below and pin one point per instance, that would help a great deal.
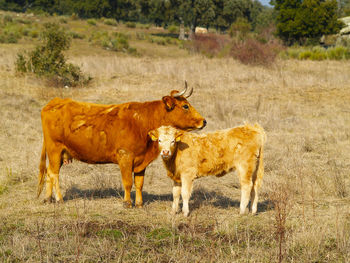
(186, 191)
(245, 176)
(176, 196)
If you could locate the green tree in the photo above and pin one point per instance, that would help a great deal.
(299, 21)
(196, 13)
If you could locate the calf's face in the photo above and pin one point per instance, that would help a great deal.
(167, 138)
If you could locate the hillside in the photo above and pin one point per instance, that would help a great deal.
(304, 208)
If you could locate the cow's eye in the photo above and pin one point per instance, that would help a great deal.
(159, 140)
(185, 107)
(172, 142)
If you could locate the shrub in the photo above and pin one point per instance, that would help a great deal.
(173, 29)
(34, 33)
(208, 44)
(140, 36)
(145, 26)
(7, 19)
(110, 22)
(9, 38)
(91, 22)
(48, 60)
(338, 53)
(305, 55)
(240, 28)
(76, 35)
(318, 53)
(63, 20)
(130, 24)
(74, 16)
(23, 21)
(253, 52)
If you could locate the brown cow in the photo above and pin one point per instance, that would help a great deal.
(188, 156)
(95, 133)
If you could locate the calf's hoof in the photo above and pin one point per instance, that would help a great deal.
(127, 204)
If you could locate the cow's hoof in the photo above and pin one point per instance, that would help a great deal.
(140, 205)
(127, 204)
(48, 200)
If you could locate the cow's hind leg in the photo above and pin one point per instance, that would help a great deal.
(138, 181)
(52, 179)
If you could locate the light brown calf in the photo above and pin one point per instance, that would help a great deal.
(188, 156)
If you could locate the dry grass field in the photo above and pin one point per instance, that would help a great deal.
(304, 209)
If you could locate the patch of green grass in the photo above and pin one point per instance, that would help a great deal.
(159, 234)
(110, 233)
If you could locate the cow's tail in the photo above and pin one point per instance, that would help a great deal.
(42, 170)
(260, 158)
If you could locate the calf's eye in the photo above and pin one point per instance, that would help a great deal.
(185, 107)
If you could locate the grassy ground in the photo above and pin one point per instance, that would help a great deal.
(303, 213)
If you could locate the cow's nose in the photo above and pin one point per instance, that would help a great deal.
(204, 123)
(166, 153)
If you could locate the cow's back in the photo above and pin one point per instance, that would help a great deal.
(220, 151)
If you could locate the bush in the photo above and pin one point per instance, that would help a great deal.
(173, 29)
(76, 35)
(7, 19)
(240, 28)
(338, 53)
(110, 22)
(208, 44)
(253, 52)
(130, 24)
(48, 60)
(63, 20)
(74, 16)
(318, 53)
(91, 22)
(9, 38)
(34, 33)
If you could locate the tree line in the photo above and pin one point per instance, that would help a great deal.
(219, 14)
(296, 21)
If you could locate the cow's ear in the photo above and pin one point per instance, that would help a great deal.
(169, 102)
(153, 135)
(179, 135)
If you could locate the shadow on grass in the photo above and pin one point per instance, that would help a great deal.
(165, 35)
(199, 197)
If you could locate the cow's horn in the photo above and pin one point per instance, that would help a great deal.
(190, 93)
(182, 92)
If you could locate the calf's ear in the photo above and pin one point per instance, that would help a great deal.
(169, 102)
(153, 134)
(178, 135)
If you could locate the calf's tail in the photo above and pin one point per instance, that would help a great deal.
(260, 159)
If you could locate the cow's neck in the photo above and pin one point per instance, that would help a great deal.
(156, 115)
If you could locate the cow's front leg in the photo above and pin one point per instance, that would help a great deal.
(176, 196)
(138, 181)
(125, 160)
